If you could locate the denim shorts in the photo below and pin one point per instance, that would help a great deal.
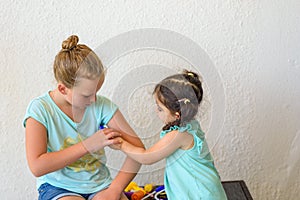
(50, 192)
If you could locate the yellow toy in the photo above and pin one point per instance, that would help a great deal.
(148, 188)
(133, 186)
(137, 193)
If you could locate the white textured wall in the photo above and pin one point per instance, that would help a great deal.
(255, 48)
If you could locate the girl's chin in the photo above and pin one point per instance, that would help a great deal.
(80, 107)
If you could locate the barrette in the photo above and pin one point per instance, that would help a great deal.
(190, 74)
(185, 100)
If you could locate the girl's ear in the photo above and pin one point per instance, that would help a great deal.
(62, 88)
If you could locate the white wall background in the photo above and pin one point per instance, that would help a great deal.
(254, 45)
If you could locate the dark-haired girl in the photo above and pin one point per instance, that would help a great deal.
(190, 172)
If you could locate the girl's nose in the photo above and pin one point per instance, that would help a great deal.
(155, 109)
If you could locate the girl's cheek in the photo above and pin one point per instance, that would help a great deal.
(161, 117)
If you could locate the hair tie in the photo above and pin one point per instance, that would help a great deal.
(69, 49)
(65, 50)
(185, 100)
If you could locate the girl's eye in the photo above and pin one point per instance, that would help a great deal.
(159, 109)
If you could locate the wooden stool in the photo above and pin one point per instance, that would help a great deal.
(236, 190)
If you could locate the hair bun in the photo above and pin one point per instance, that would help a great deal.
(70, 43)
(194, 78)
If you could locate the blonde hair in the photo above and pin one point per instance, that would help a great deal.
(76, 61)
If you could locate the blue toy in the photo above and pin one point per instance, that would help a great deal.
(156, 192)
(102, 127)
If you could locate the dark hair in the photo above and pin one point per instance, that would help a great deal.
(180, 93)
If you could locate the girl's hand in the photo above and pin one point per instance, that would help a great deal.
(109, 194)
(118, 145)
(115, 146)
(100, 139)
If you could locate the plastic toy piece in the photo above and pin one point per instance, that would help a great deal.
(133, 186)
(102, 127)
(128, 194)
(138, 195)
(157, 191)
(156, 195)
(148, 188)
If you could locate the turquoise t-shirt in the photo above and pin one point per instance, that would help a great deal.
(89, 174)
(191, 174)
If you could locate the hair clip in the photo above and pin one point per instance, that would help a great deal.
(190, 74)
(185, 100)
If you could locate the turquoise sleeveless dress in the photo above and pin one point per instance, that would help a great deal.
(191, 174)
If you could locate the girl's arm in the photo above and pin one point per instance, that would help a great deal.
(162, 149)
(42, 162)
(130, 167)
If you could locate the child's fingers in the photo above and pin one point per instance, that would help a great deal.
(116, 144)
(112, 135)
(107, 131)
(117, 141)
